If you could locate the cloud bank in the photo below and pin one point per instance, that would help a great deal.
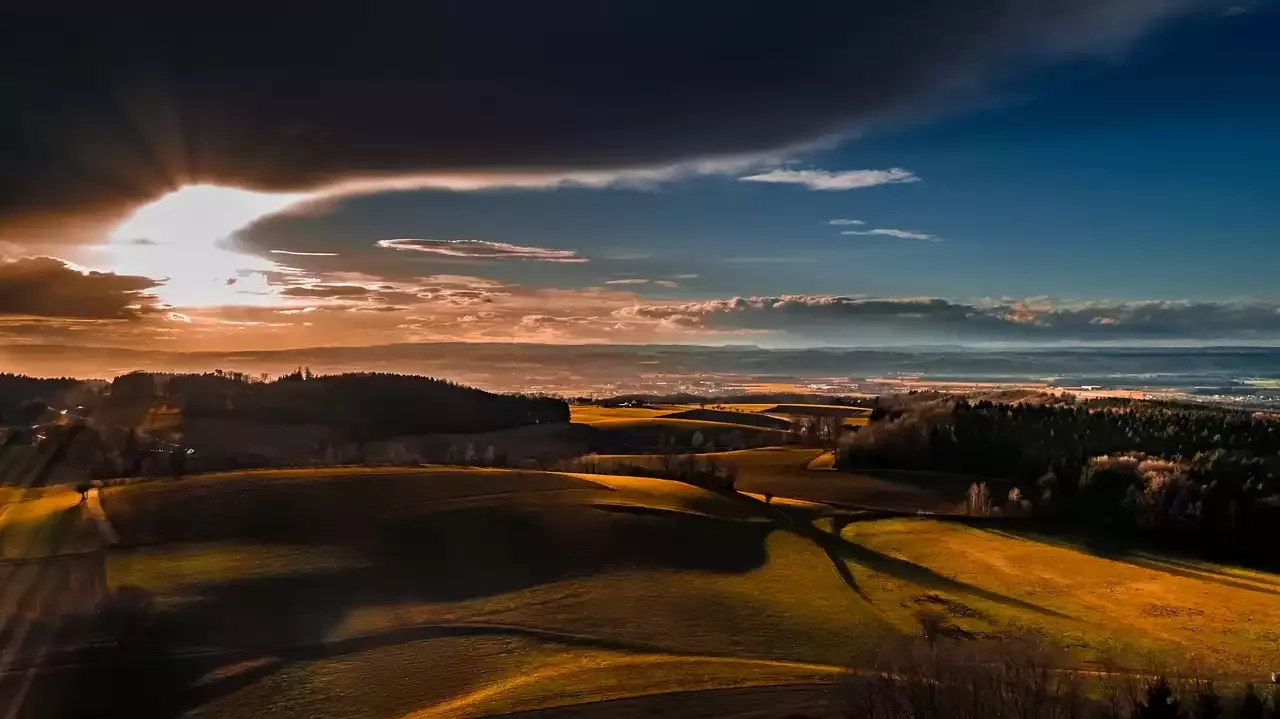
(45, 287)
(107, 110)
(840, 319)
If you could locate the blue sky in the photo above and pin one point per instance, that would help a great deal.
(1114, 181)
(1149, 174)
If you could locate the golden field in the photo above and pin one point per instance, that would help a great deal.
(449, 591)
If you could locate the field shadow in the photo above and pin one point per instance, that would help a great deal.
(465, 554)
(838, 550)
(254, 626)
(928, 578)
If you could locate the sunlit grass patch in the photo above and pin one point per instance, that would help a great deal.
(1219, 616)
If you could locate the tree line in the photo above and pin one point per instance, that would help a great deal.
(1206, 478)
(363, 406)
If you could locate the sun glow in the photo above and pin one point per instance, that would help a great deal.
(185, 236)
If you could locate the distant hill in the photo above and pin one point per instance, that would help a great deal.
(736, 398)
(23, 400)
(359, 407)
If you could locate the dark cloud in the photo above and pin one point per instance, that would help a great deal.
(841, 318)
(48, 287)
(110, 104)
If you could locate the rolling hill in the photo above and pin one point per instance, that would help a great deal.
(449, 591)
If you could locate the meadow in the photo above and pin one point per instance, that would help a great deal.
(465, 592)
(1136, 607)
(804, 473)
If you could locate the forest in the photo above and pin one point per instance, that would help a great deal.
(22, 398)
(1204, 478)
(362, 406)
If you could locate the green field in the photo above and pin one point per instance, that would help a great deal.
(798, 472)
(448, 591)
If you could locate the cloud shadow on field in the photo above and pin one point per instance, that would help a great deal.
(257, 625)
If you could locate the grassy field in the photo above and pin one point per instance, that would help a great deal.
(1145, 607)
(750, 419)
(650, 434)
(789, 471)
(853, 416)
(760, 458)
(590, 413)
(43, 522)
(458, 592)
(495, 591)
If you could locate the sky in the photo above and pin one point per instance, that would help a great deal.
(997, 172)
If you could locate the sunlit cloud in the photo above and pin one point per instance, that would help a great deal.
(828, 180)
(845, 222)
(304, 254)
(900, 234)
(628, 281)
(183, 238)
(481, 250)
(200, 214)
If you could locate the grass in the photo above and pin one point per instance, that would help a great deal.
(750, 419)
(673, 424)
(459, 592)
(311, 503)
(486, 677)
(762, 458)
(171, 571)
(590, 413)
(43, 523)
(1137, 605)
(804, 473)
(650, 434)
(526, 590)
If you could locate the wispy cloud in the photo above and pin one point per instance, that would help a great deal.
(845, 222)
(828, 180)
(666, 283)
(628, 281)
(686, 276)
(774, 259)
(481, 250)
(900, 234)
(1235, 10)
(304, 254)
